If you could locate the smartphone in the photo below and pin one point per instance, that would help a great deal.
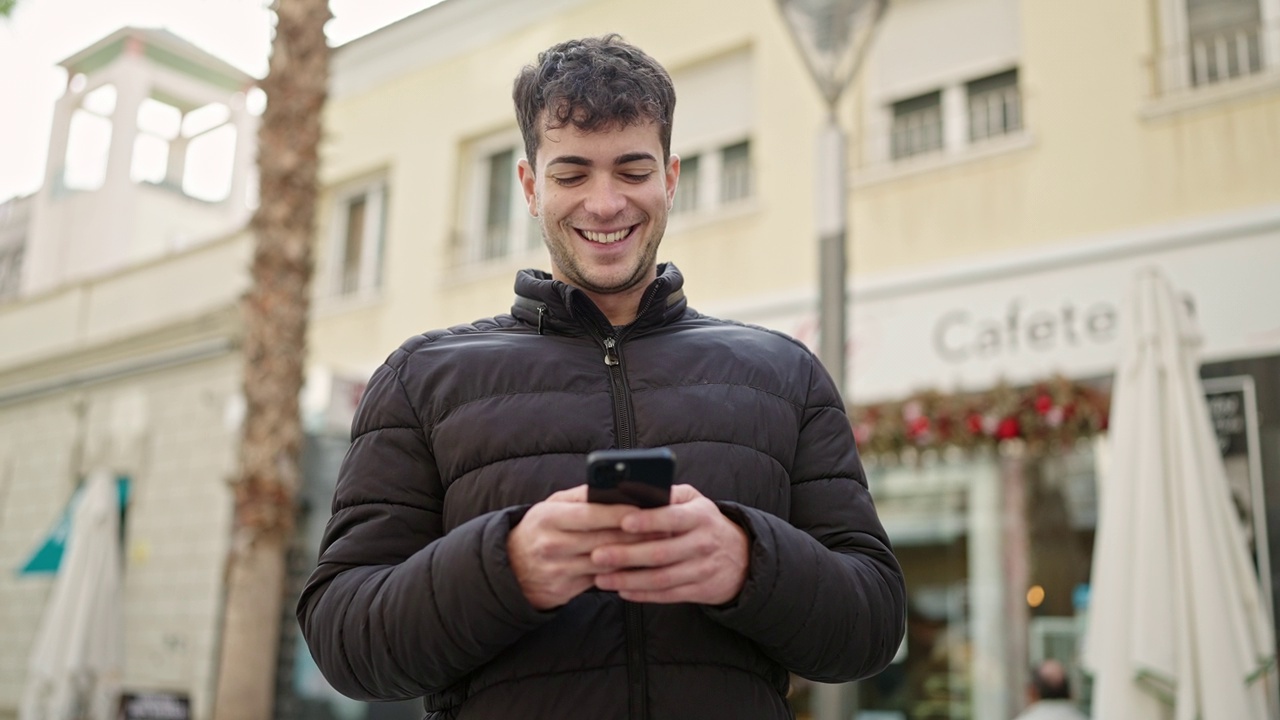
(639, 477)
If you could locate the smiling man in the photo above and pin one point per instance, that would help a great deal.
(463, 562)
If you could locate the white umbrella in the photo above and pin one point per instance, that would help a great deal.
(1177, 626)
(75, 663)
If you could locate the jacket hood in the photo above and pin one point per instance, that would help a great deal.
(553, 306)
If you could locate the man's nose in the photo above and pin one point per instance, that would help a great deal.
(604, 200)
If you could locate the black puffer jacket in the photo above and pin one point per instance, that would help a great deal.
(462, 429)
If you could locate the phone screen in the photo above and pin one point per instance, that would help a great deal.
(631, 477)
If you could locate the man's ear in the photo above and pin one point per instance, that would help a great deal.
(524, 172)
(673, 179)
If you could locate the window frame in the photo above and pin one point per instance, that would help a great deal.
(932, 101)
(521, 240)
(1172, 74)
(1012, 111)
(369, 277)
(708, 179)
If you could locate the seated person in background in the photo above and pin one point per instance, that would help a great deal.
(1051, 695)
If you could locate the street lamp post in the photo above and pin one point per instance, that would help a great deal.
(832, 36)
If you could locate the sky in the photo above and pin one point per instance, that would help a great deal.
(40, 33)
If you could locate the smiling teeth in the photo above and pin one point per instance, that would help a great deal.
(605, 238)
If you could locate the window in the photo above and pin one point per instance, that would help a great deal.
(917, 126)
(359, 238)
(995, 106)
(1225, 39)
(497, 213)
(10, 271)
(496, 222)
(687, 190)
(735, 172)
(1210, 42)
(714, 177)
(713, 126)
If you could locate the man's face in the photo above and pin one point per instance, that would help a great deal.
(602, 199)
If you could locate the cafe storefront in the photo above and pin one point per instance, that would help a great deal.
(979, 396)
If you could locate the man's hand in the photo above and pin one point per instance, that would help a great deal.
(550, 548)
(701, 559)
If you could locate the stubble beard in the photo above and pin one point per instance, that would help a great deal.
(564, 261)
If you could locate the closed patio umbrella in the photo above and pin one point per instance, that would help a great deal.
(75, 663)
(1177, 627)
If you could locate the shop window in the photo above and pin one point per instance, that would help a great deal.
(917, 126)
(995, 106)
(359, 238)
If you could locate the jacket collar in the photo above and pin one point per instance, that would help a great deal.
(553, 306)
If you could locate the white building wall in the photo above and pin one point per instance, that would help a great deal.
(172, 433)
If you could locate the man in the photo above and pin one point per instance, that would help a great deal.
(463, 563)
(1050, 695)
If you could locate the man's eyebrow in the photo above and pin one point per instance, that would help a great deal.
(585, 162)
(569, 160)
(633, 157)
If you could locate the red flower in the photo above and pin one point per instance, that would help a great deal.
(974, 423)
(1008, 429)
(1043, 404)
(918, 427)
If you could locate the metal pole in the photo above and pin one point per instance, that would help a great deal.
(835, 702)
(831, 220)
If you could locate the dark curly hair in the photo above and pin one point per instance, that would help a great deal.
(593, 84)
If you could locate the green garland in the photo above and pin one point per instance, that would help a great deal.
(1045, 416)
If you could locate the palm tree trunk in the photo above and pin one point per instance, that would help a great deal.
(275, 324)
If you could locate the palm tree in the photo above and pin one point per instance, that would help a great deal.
(275, 323)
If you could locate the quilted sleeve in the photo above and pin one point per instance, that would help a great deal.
(396, 608)
(824, 596)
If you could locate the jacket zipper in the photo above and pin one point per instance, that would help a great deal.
(633, 614)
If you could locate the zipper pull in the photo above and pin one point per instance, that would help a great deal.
(542, 311)
(610, 352)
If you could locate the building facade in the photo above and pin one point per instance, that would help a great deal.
(1011, 165)
(119, 349)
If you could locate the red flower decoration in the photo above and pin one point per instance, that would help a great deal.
(918, 427)
(974, 423)
(1008, 429)
(1043, 404)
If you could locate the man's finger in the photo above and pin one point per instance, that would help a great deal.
(582, 516)
(566, 544)
(684, 493)
(673, 519)
(578, 493)
(653, 579)
(667, 550)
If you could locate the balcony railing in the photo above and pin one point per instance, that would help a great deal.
(1218, 57)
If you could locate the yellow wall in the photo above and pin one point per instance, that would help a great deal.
(1099, 155)
(1103, 153)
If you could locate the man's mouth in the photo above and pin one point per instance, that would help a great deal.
(605, 238)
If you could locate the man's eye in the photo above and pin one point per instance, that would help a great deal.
(636, 177)
(568, 180)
